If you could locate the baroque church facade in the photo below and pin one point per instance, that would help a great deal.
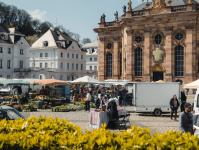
(155, 41)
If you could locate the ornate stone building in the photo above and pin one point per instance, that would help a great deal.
(154, 41)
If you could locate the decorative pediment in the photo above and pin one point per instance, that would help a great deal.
(22, 42)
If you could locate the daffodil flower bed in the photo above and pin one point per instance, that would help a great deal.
(47, 133)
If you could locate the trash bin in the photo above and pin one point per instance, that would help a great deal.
(39, 104)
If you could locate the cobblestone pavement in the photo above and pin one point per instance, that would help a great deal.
(81, 118)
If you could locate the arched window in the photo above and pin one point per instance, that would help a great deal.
(138, 61)
(179, 60)
(158, 39)
(121, 64)
(109, 65)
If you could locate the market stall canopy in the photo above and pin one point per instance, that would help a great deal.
(46, 82)
(17, 81)
(192, 85)
(85, 80)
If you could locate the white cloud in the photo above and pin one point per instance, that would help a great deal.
(38, 14)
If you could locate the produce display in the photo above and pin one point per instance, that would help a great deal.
(70, 107)
(47, 133)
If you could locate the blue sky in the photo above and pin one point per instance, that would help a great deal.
(78, 16)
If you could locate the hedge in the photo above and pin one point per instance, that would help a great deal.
(47, 133)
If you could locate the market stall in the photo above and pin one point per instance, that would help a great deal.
(52, 94)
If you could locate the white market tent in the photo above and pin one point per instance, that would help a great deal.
(192, 85)
(85, 80)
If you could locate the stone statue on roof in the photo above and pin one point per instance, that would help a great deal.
(102, 19)
(124, 9)
(116, 16)
(129, 5)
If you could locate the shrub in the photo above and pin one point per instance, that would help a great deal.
(48, 133)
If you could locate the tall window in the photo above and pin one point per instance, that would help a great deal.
(76, 56)
(179, 60)
(72, 55)
(1, 63)
(46, 65)
(90, 67)
(68, 66)
(9, 50)
(8, 64)
(68, 55)
(21, 64)
(41, 54)
(76, 66)
(1, 49)
(8, 76)
(120, 64)
(138, 61)
(95, 68)
(81, 66)
(61, 54)
(40, 65)
(21, 51)
(109, 65)
(61, 65)
(46, 54)
(72, 66)
(95, 59)
(90, 58)
(81, 56)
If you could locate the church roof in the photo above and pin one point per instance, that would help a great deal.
(174, 3)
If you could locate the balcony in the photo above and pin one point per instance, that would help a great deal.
(22, 70)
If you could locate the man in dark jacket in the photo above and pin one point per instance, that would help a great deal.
(186, 119)
(100, 101)
(174, 104)
(113, 114)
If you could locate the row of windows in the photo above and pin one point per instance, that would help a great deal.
(61, 55)
(9, 64)
(95, 68)
(9, 51)
(91, 59)
(8, 76)
(179, 62)
(73, 66)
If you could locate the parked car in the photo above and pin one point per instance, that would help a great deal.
(9, 113)
(196, 124)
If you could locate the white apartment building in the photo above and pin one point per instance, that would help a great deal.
(14, 54)
(56, 55)
(92, 59)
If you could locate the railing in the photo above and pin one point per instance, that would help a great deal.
(109, 24)
(22, 70)
(138, 13)
(179, 8)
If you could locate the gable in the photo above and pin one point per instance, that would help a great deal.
(47, 37)
(74, 47)
(22, 42)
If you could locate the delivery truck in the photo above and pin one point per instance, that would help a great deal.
(154, 97)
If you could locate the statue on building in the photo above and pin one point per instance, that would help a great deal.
(116, 16)
(124, 10)
(129, 5)
(102, 19)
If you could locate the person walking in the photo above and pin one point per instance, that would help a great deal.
(174, 104)
(186, 119)
(183, 100)
(124, 92)
(88, 98)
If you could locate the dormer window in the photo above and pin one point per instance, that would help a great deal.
(93, 50)
(45, 43)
